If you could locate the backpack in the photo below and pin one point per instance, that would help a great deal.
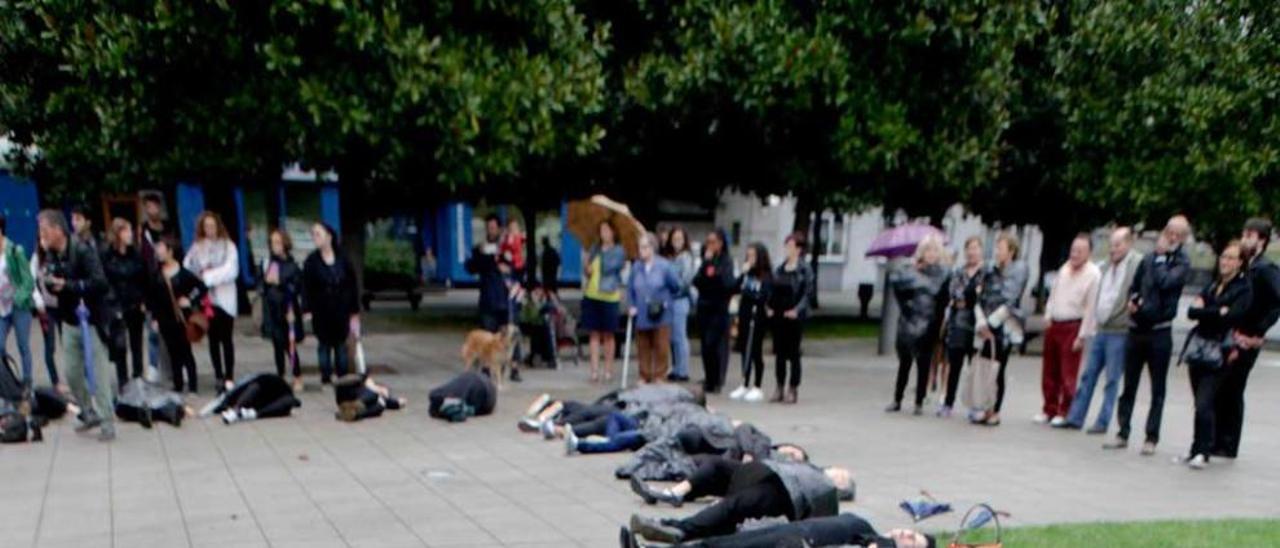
(13, 426)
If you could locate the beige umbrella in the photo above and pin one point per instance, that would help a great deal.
(585, 217)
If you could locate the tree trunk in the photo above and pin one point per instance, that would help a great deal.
(353, 189)
(805, 207)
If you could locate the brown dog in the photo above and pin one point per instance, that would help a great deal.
(493, 350)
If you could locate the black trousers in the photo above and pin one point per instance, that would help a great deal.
(1152, 349)
(956, 358)
(752, 332)
(222, 351)
(841, 530)
(1205, 383)
(1002, 352)
(714, 326)
(712, 476)
(126, 342)
(266, 404)
(787, 334)
(586, 419)
(181, 359)
(1229, 406)
(765, 499)
(919, 352)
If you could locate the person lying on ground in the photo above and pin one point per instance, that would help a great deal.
(471, 393)
(671, 458)
(841, 530)
(359, 397)
(546, 414)
(144, 403)
(756, 490)
(710, 478)
(261, 395)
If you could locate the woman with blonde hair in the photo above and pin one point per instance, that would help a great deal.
(213, 257)
(127, 275)
(920, 288)
(998, 316)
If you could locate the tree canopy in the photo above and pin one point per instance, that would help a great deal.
(1056, 113)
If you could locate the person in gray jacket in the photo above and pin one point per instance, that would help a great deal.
(920, 289)
(769, 488)
(676, 249)
(999, 317)
(1106, 351)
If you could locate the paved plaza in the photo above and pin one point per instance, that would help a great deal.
(407, 480)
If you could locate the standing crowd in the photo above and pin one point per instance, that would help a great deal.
(655, 293)
(102, 297)
(1114, 319)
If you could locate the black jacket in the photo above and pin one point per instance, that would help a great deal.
(964, 295)
(493, 286)
(754, 295)
(715, 283)
(329, 294)
(811, 493)
(127, 275)
(161, 303)
(1157, 285)
(1264, 276)
(921, 294)
(279, 298)
(791, 289)
(474, 389)
(81, 267)
(1214, 324)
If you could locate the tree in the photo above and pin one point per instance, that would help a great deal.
(1172, 109)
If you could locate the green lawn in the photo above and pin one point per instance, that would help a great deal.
(1162, 534)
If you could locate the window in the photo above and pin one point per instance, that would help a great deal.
(831, 237)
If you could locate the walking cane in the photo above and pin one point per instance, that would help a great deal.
(86, 332)
(626, 352)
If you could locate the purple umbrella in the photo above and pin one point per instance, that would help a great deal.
(901, 241)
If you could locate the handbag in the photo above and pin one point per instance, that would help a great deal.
(1202, 352)
(972, 522)
(655, 309)
(196, 324)
(978, 388)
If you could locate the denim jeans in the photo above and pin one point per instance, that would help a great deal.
(680, 337)
(20, 322)
(621, 432)
(331, 357)
(1106, 357)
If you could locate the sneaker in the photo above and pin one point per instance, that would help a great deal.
(1148, 449)
(528, 425)
(538, 405)
(738, 393)
(653, 496)
(107, 434)
(657, 531)
(230, 416)
(1040, 418)
(548, 430)
(1198, 462)
(754, 395)
(570, 441)
(1060, 422)
(944, 412)
(893, 407)
(1096, 430)
(1118, 443)
(88, 421)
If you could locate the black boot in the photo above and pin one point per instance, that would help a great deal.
(653, 496)
(655, 530)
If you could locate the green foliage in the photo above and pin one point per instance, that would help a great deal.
(389, 256)
(1168, 534)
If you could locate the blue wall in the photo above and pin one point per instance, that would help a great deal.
(190, 198)
(20, 204)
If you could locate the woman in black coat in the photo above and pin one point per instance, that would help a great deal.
(715, 284)
(127, 275)
(329, 298)
(171, 297)
(281, 309)
(1219, 309)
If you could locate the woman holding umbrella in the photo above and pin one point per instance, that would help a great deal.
(281, 290)
(601, 298)
(920, 289)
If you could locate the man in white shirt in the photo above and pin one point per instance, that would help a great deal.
(1106, 350)
(1070, 313)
